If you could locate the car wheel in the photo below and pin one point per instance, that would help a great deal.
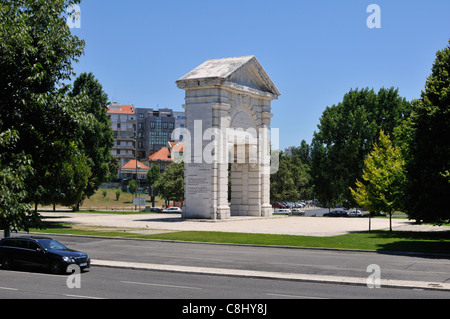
(56, 267)
(6, 263)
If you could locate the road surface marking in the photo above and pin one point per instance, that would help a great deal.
(159, 285)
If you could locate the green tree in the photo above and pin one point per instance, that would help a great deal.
(118, 193)
(346, 134)
(171, 184)
(282, 183)
(132, 186)
(36, 53)
(97, 141)
(153, 175)
(303, 152)
(15, 213)
(383, 179)
(326, 182)
(428, 164)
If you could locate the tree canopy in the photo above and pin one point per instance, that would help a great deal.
(292, 181)
(96, 142)
(15, 213)
(428, 164)
(170, 185)
(383, 179)
(345, 137)
(55, 131)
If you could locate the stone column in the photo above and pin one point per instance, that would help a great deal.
(254, 190)
(264, 153)
(221, 121)
(236, 188)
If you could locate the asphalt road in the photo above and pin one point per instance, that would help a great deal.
(104, 282)
(283, 260)
(112, 283)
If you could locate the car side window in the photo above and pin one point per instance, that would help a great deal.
(33, 246)
(22, 244)
(10, 243)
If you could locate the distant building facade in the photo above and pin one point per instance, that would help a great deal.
(180, 124)
(134, 169)
(141, 132)
(162, 124)
(123, 120)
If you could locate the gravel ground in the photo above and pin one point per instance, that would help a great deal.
(307, 226)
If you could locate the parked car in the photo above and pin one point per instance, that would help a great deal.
(278, 205)
(336, 213)
(283, 211)
(298, 211)
(172, 210)
(355, 213)
(155, 210)
(42, 252)
(375, 214)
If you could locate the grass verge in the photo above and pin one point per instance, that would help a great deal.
(396, 241)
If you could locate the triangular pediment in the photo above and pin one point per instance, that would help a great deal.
(250, 76)
(244, 71)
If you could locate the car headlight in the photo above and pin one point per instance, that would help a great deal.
(68, 259)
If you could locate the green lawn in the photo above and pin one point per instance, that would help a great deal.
(105, 199)
(422, 242)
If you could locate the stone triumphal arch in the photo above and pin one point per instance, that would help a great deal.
(227, 139)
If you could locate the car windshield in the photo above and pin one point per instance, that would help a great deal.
(51, 244)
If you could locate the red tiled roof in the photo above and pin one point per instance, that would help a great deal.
(132, 165)
(177, 146)
(124, 109)
(163, 155)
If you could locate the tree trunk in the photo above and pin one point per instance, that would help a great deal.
(390, 221)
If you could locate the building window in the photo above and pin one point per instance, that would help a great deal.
(152, 124)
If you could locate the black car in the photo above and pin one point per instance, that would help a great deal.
(336, 213)
(40, 251)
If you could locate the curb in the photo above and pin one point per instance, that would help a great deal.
(342, 280)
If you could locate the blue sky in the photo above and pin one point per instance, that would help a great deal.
(314, 51)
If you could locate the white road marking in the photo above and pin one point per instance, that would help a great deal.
(159, 285)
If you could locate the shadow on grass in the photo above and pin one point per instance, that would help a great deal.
(54, 225)
(433, 235)
(162, 219)
(416, 242)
